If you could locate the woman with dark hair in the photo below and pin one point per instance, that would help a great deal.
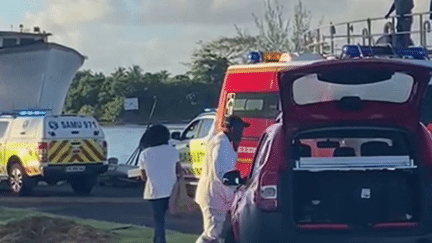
(159, 163)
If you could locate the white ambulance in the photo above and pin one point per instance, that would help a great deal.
(36, 146)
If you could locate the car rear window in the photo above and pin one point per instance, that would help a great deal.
(360, 148)
(310, 89)
(258, 105)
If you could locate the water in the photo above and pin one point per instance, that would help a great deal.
(123, 140)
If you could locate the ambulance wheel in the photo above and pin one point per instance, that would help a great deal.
(19, 183)
(83, 185)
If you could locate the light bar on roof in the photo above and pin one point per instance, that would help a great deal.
(272, 56)
(357, 51)
(32, 112)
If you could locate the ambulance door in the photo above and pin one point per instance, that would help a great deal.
(4, 125)
(198, 146)
(184, 145)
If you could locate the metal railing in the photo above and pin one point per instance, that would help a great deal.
(329, 40)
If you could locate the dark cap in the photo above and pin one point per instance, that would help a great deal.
(232, 119)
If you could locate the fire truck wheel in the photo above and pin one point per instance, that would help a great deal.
(19, 183)
(83, 185)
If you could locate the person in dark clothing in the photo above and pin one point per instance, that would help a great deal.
(404, 21)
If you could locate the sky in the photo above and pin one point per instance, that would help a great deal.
(161, 34)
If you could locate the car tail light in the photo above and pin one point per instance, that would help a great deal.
(43, 152)
(268, 191)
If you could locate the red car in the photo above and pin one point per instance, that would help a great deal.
(350, 161)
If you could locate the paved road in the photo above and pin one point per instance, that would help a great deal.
(122, 205)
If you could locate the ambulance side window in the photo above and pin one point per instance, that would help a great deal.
(191, 131)
(3, 127)
(257, 105)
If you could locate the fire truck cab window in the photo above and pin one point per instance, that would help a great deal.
(257, 105)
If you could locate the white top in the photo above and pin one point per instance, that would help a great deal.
(159, 164)
(220, 158)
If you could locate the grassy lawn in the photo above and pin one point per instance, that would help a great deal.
(126, 233)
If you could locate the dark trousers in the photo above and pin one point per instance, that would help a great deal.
(160, 206)
(403, 25)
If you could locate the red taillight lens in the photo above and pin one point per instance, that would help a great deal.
(43, 151)
(268, 191)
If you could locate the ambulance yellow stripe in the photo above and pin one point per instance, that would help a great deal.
(93, 149)
(63, 157)
(72, 159)
(79, 158)
(57, 150)
(87, 155)
(51, 145)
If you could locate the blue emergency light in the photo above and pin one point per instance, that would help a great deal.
(254, 57)
(32, 112)
(357, 51)
(413, 52)
(352, 51)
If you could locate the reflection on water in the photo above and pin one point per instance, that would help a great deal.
(122, 140)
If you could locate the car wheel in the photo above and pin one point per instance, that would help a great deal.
(19, 183)
(229, 237)
(83, 185)
(228, 232)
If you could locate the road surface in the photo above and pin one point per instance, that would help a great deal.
(121, 205)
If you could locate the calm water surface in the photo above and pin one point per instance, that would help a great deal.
(123, 140)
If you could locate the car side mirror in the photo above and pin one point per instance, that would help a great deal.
(176, 135)
(113, 161)
(232, 178)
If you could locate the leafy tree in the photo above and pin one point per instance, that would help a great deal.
(301, 25)
(273, 29)
(181, 78)
(87, 110)
(211, 60)
(113, 109)
(163, 76)
(278, 33)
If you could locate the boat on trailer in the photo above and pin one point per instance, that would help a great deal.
(35, 73)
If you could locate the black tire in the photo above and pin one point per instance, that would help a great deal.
(19, 183)
(228, 233)
(229, 237)
(83, 185)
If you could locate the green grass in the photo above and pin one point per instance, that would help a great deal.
(125, 233)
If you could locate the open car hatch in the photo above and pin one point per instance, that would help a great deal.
(364, 91)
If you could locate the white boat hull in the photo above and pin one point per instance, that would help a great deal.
(37, 76)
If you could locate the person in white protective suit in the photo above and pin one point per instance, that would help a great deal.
(213, 197)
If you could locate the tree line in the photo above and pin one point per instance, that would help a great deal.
(183, 96)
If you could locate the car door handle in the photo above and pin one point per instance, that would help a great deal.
(187, 146)
(202, 143)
